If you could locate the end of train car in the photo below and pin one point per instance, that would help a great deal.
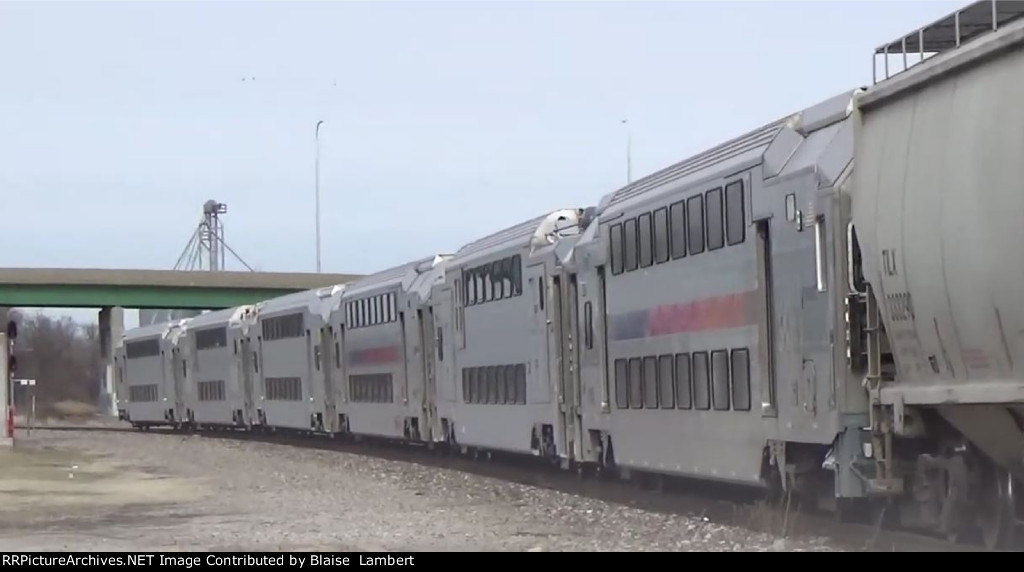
(935, 306)
(218, 377)
(502, 369)
(151, 385)
(707, 305)
(383, 338)
(289, 379)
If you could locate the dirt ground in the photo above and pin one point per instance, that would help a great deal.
(56, 498)
(103, 490)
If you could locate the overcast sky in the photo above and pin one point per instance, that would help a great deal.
(445, 121)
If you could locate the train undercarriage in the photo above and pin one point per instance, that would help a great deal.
(943, 457)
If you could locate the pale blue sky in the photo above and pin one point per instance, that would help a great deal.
(444, 120)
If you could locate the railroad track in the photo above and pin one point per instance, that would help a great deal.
(722, 504)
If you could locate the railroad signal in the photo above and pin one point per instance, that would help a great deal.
(12, 334)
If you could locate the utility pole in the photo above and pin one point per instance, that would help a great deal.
(318, 124)
(629, 152)
(8, 365)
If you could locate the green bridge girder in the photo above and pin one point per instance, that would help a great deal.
(134, 297)
(151, 289)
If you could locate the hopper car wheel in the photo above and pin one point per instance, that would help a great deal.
(996, 509)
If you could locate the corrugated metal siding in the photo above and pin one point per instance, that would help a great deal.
(515, 235)
(386, 277)
(298, 299)
(758, 139)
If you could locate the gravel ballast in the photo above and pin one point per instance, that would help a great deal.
(226, 494)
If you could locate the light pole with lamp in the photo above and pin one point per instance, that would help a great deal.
(318, 124)
(629, 152)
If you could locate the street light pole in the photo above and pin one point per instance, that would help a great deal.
(318, 123)
(629, 152)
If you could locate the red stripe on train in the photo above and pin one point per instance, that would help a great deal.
(379, 355)
(715, 313)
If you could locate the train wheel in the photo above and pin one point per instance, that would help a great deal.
(996, 509)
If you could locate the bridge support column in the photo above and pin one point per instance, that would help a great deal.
(111, 327)
(6, 427)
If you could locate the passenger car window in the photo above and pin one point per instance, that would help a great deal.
(646, 246)
(741, 379)
(666, 382)
(735, 215)
(629, 256)
(695, 223)
(684, 399)
(615, 234)
(677, 216)
(720, 379)
(650, 372)
(636, 388)
(713, 207)
(701, 388)
(621, 385)
(661, 235)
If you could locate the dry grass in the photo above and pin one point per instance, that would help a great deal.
(73, 410)
(776, 519)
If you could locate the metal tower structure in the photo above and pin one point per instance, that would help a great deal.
(206, 250)
(207, 243)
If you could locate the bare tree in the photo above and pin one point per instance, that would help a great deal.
(62, 356)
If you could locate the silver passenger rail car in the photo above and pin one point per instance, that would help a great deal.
(286, 367)
(145, 364)
(329, 353)
(712, 325)
(380, 386)
(218, 377)
(505, 359)
(429, 346)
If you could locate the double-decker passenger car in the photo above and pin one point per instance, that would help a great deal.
(383, 340)
(218, 365)
(291, 390)
(717, 300)
(150, 375)
(506, 355)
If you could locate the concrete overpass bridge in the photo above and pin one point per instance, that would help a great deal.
(114, 290)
